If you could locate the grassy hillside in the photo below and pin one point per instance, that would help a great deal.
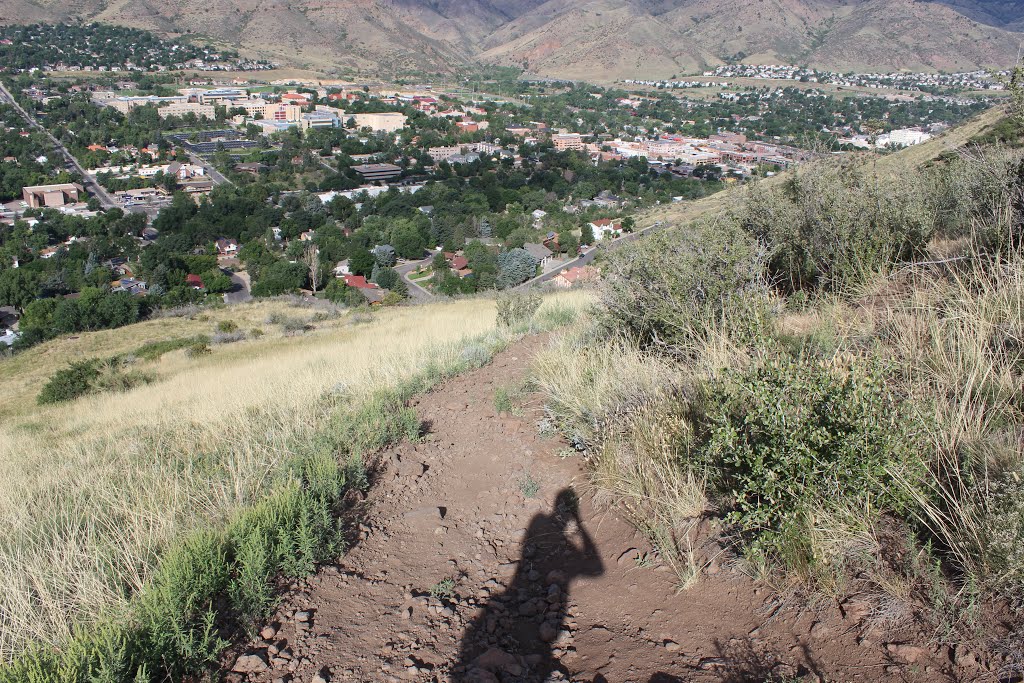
(818, 380)
(101, 489)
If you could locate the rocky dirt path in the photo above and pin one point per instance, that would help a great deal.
(483, 559)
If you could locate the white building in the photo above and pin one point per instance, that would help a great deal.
(905, 137)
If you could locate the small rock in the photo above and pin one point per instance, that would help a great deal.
(556, 576)
(252, 663)
(672, 646)
(498, 661)
(547, 632)
(302, 617)
(268, 632)
(904, 652)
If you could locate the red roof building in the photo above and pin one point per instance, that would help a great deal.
(295, 98)
(359, 282)
(194, 281)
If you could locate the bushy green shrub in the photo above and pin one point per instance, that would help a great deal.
(91, 376)
(198, 348)
(515, 308)
(227, 326)
(154, 350)
(831, 224)
(794, 437)
(678, 287)
(70, 383)
(979, 194)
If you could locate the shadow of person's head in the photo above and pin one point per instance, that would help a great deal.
(560, 538)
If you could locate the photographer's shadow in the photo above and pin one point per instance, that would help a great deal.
(515, 636)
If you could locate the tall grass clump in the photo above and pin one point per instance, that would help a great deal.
(961, 342)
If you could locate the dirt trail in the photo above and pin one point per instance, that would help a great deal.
(546, 586)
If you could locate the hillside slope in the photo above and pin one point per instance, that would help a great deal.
(576, 38)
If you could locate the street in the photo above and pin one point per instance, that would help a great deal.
(589, 255)
(240, 291)
(416, 292)
(88, 182)
(216, 176)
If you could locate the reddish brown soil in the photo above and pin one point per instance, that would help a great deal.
(546, 588)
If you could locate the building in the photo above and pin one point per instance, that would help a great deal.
(905, 137)
(606, 228)
(38, 196)
(126, 104)
(224, 96)
(567, 141)
(318, 119)
(251, 167)
(300, 99)
(227, 247)
(573, 276)
(378, 172)
(539, 252)
(181, 108)
(388, 122)
(472, 126)
(140, 195)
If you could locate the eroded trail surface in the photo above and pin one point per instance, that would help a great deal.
(534, 583)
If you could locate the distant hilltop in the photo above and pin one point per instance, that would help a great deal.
(595, 40)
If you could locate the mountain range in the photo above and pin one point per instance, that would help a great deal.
(591, 39)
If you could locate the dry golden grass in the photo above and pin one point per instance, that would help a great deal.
(97, 489)
(23, 374)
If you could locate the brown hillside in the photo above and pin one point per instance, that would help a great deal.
(597, 39)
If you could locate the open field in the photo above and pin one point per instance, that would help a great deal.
(98, 489)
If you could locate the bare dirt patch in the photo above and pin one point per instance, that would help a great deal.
(483, 558)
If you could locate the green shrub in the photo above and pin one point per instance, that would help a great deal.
(978, 195)
(70, 383)
(515, 308)
(198, 348)
(796, 437)
(831, 224)
(154, 350)
(91, 376)
(227, 326)
(677, 288)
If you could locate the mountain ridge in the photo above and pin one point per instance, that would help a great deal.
(597, 39)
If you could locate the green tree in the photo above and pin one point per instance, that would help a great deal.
(515, 267)
(361, 262)
(18, 287)
(586, 234)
